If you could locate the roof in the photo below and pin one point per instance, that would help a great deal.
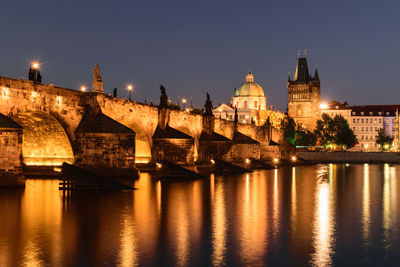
(375, 110)
(240, 138)
(302, 74)
(223, 108)
(213, 137)
(249, 88)
(337, 105)
(169, 133)
(8, 123)
(101, 123)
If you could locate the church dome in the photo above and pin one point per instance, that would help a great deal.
(249, 88)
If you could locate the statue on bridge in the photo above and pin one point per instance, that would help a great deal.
(97, 83)
(208, 106)
(163, 98)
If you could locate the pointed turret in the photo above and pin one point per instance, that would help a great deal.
(316, 76)
(301, 74)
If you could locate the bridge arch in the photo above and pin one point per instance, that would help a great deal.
(143, 143)
(45, 142)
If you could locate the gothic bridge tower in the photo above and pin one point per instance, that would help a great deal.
(304, 93)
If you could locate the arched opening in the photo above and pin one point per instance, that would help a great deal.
(44, 141)
(142, 144)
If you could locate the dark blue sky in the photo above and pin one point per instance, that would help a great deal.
(196, 46)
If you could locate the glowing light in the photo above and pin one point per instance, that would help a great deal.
(323, 106)
(276, 160)
(187, 110)
(34, 95)
(57, 169)
(83, 89)
(35, 65)
(142, 161)
(59, 100)
(212, 161)
(159, 165)
(220, 109)
(294, 158)
(247, 116)
(247, 161)
(5, 91)
(184, 101)
(130, 87)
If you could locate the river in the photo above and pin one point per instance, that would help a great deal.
(319, 215)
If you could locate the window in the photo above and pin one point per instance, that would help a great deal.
(371, 129)
(379, 113)
(354, 120)
(245, 104)
(354, 128)
(371, 113)
(362, 129)
(358, 120)
(353, 113)
(380, 120)
(362, 112)
(376, 128)
(362, 137)
(362, 120)
(366, 120)
(255, 104)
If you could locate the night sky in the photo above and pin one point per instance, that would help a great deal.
(194, 47)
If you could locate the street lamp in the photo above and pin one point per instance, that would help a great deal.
(35, 65)
(184, 103)
(83, 89)
(130, 88)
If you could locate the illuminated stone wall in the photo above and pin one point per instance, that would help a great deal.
(10, 157)
(98, 151)
(180, 151)
(45, 142)
(240, 152)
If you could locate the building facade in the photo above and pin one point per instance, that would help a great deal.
(304, 95)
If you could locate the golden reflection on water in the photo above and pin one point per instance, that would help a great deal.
(128, 252)
(323, 225)
(252, 218)
(366, 216)
(219, 224)
(41, 225)
(293, 200)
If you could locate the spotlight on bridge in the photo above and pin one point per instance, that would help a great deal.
(323, 106)
(247, 161)
(276, 160)
(212, 161)
(83, 89)
(294, 158)
(159, 165)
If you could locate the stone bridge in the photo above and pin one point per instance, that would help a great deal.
(50, 116)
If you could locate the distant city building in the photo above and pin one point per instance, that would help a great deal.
(251, 103)
(334, 108)
(365, 121)
(304, 95)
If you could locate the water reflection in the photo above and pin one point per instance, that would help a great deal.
(219, 224)
(320, 215)
(366, 218)
(323, 218)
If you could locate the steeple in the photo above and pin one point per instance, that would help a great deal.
(316, 76)
(301, 74)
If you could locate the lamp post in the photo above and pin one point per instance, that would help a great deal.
(130, 88)
(83, 89)
(184, 103)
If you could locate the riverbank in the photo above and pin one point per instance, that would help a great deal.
(350, 157)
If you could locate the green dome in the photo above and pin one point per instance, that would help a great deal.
(249, 88)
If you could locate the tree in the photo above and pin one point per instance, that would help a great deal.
(335, 131)
(383, 141)
(296, 134)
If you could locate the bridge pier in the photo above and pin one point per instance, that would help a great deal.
(10, 153)
(105, 146)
